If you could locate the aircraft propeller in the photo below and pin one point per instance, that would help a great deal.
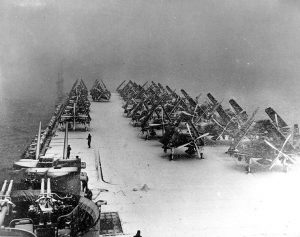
(194, 140)
(280, 152)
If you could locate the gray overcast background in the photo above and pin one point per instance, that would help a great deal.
(245, 49)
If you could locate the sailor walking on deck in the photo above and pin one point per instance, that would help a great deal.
(84, 181)
(68, 151)
(138, 234)
(89, 138)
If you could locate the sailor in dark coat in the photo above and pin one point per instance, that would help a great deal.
(138, 234)
(89, 138)
(85, 184)
(68, 151)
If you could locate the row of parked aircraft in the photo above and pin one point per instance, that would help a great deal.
(77, 109)
(99, 92)
(182, 121)
(74, 111)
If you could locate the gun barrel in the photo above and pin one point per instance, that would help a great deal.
(3, 187)
(9, 188)
(48, 187)
(42, 186)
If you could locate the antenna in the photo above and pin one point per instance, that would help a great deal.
(38, 142)
(65, 140)
(59, 87)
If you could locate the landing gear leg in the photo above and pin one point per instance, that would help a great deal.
(285, 167)
(147, 135)
(165, 150)
(249, 166)
(172, 154)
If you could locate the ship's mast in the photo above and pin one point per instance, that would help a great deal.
(59, 87)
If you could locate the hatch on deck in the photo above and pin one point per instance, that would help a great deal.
(110, 224)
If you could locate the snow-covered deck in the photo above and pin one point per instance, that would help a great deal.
(185, 197)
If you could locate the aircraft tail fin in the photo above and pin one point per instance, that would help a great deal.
(238, 110)
(276, 119)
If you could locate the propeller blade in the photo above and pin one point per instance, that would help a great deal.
(186, 113)
(155, 124)
(221, 126)
(274, 161)
(285, 142)
(194, 140)
(271, 145)
(184, 145)
(280, 153)
(198, 152)
(203, 135)
(188, 127)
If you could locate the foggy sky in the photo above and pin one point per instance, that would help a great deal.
(247, 50)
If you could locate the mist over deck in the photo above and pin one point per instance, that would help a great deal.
(185, 197)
